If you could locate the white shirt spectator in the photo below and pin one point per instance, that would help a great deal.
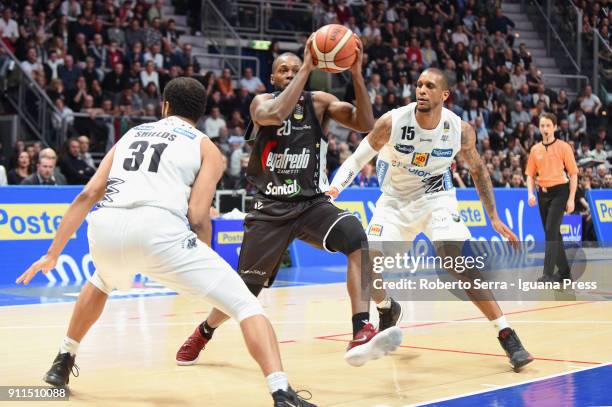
(72, 9)
(53, 66)
(577, 125)
(251, 84)
(460, 37)
(543, 96)
(145, 78)
(212, 126)
(29, 67)
(599, 155)
(158, 59)
(588, 104)
(67, 115)
(3, 180)
(9, 29)
(370, 33)
(235, 158)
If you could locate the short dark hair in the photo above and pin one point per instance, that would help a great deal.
(441, 75)
(186, 97)
(550, 116)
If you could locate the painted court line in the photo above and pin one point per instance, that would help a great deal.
(506, 386)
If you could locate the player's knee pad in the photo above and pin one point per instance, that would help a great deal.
(247, 308)
(346, 236)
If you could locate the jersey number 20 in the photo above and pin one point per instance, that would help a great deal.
(133, 163)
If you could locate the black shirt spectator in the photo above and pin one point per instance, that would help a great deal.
(117, 80)
(77, 172)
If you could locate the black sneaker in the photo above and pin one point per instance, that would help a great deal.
(59, 374)
(290, 398)
(548, 279)
(389, 317)
(511, 343)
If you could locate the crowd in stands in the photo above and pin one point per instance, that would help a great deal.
(106, 58)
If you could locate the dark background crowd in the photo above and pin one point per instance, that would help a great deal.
(110, 60)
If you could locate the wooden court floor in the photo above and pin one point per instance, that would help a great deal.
(448, 349)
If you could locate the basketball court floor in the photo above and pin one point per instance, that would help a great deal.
(450, 355)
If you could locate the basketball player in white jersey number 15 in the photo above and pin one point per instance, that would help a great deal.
(416, 145)
(154, 190)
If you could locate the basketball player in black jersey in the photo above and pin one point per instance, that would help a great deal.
(288, 167)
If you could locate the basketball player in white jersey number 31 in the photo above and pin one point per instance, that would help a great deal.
(154, 190)
(416, 145)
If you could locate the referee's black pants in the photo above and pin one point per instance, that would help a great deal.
(552, 204)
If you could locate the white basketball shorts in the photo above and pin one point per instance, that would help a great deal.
(159, 244)
(435, 215)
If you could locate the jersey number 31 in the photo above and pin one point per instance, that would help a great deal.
(133, 163)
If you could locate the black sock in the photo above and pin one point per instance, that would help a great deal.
(359, 321)
(206, 330)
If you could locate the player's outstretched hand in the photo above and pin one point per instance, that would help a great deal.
(356, 67)
(308, 62)
(505, 231)
(44, 264)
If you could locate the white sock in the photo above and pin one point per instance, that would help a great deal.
(500, 323)
(384, 304)
(277, 381)
(69, 345)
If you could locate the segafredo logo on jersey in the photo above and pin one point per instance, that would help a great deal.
(283, 161)
(289, 188)
(30, 221)
(288, 161)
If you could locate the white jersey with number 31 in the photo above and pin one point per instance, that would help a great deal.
(417, 161)
(155, 164)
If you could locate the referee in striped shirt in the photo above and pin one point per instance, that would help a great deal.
(553, 162)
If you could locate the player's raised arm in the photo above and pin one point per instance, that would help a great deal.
(72, 220)
(267, 110)
(203, 191)
(361, 117)
(482, 180)
(367, 149)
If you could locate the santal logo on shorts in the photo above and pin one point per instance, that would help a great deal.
(420, 159)
(289, 188)
(404, 149)
(375, 230)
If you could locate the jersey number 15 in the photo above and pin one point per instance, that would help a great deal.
(133, 163)
(407, 133)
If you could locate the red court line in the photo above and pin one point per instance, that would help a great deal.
(479, 353)
(472, 318)
(288, 341)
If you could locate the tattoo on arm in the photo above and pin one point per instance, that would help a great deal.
(478, 169)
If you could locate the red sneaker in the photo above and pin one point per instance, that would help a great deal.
(189, 353)
(369, 344)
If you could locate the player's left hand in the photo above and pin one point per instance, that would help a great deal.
(505, 231)
(569, 207)
(356, 67)
(44, 264)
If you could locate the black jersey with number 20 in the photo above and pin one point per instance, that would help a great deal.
(288, 161)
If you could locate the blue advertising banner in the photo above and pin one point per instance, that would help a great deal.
(29, 217)
(600, 202)
(227, 238)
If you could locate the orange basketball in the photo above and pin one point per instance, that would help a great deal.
(333, 48)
